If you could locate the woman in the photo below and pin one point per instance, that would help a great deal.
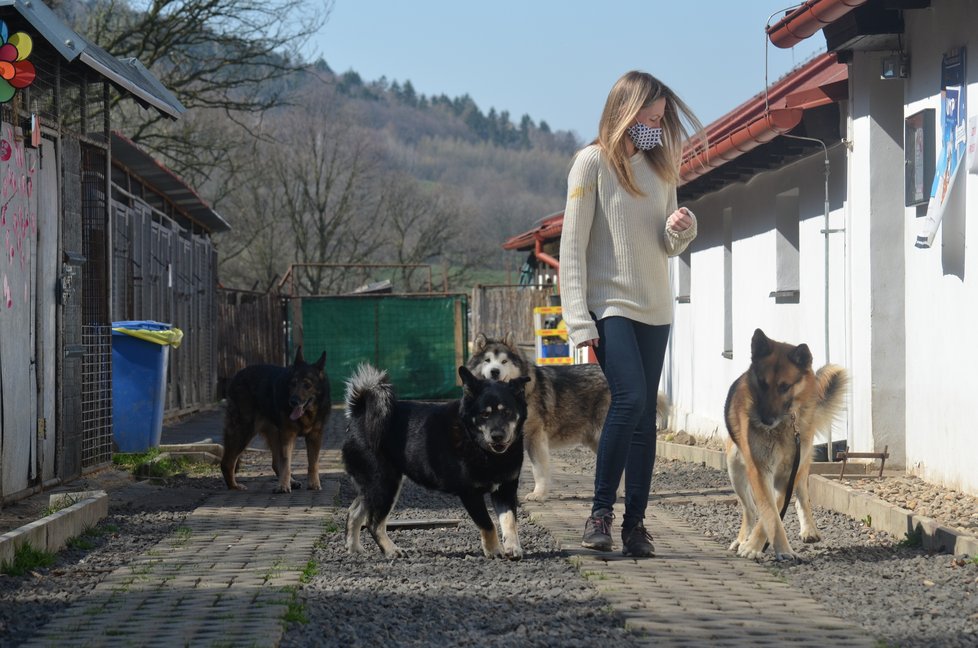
(621, 224)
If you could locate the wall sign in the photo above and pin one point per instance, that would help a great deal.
(919, 156)
(954, 141)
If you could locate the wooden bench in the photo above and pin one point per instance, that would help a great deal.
(845, 456)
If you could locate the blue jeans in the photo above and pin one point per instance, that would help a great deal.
(631, 355)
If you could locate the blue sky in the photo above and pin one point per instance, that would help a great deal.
(556, 60)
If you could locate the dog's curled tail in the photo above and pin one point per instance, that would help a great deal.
(832, 383)
(662, 410)
(370, 398)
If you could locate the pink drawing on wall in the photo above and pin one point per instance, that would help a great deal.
(6, 293)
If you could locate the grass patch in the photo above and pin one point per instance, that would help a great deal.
(182, 534)
(295, 611)
(868, 520)
(86, 540)
(913, 539)
(64, 502)
(309, 572)
(26, 559)
(154, 464)
(331, 525)
(82, 542)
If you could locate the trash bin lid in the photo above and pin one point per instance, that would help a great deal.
(141, 325)
(149, 331)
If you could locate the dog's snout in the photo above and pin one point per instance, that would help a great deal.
(497, 436)
(494, 373)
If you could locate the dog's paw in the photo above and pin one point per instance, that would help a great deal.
(810, 535)
(295, 484)
(787, 555)
(283, 488)
(734, 546)
(355, 549)
(314, 484)
(751, 551)
(394, 552)
(536, 496)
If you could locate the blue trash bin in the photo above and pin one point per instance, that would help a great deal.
(139, 382)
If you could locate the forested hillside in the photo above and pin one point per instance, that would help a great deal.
(313, 166)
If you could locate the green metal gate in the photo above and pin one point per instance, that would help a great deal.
(420, 340)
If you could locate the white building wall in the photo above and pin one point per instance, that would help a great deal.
(697, 375)
(942, 281)
(876, 239)
(902, 320)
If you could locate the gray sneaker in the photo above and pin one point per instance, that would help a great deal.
(637, 542)
(597, 530)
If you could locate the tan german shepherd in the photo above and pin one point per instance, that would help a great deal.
(778, 398)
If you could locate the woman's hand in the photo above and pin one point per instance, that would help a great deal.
(589, 343)
(679, 220)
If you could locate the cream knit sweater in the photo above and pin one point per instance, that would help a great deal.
(614, 247)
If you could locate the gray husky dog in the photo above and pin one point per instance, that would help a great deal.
(566, 404)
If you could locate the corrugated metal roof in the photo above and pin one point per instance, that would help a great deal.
(140, 163)
(129, 75)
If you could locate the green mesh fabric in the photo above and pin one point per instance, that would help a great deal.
(419, 340)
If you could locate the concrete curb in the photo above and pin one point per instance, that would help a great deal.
(51, 533)
(838, 497)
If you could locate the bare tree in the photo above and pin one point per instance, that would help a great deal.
(424, 227)
(323, 171)
(235, 57)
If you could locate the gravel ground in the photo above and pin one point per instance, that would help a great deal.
(446, 593)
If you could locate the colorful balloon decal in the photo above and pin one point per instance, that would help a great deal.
(16, 72)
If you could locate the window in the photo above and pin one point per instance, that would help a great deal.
(682, 277)
(727, 282)
(786, 252)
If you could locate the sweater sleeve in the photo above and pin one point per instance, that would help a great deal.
(582, 188)
(676, 242)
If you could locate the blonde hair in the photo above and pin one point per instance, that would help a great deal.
(631, 93)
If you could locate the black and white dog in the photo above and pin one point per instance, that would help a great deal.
(467, 447)
(566, 404)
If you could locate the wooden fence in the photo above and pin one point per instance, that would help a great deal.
(499, 310)
(250, 330)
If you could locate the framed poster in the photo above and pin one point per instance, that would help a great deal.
(919, 156)
(954, 137)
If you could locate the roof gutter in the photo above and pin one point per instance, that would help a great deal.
(807, 19)
(760, 131)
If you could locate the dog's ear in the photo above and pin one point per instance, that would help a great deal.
(321, 363)
(480, 342)
(801, 356)
(470, 384)
(518, 386)
(509, 339)
(760, 346)
(298, 356)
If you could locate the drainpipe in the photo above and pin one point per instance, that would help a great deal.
(543, 256)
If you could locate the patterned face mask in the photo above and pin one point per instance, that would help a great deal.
(645, 138)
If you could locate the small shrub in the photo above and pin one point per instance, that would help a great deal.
(913, 539)
(83, 542)
(309, 572)
(868, 520)
(26, 559)
(295, 611)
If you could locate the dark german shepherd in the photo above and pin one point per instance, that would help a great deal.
(280, 403)
(468, 447)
